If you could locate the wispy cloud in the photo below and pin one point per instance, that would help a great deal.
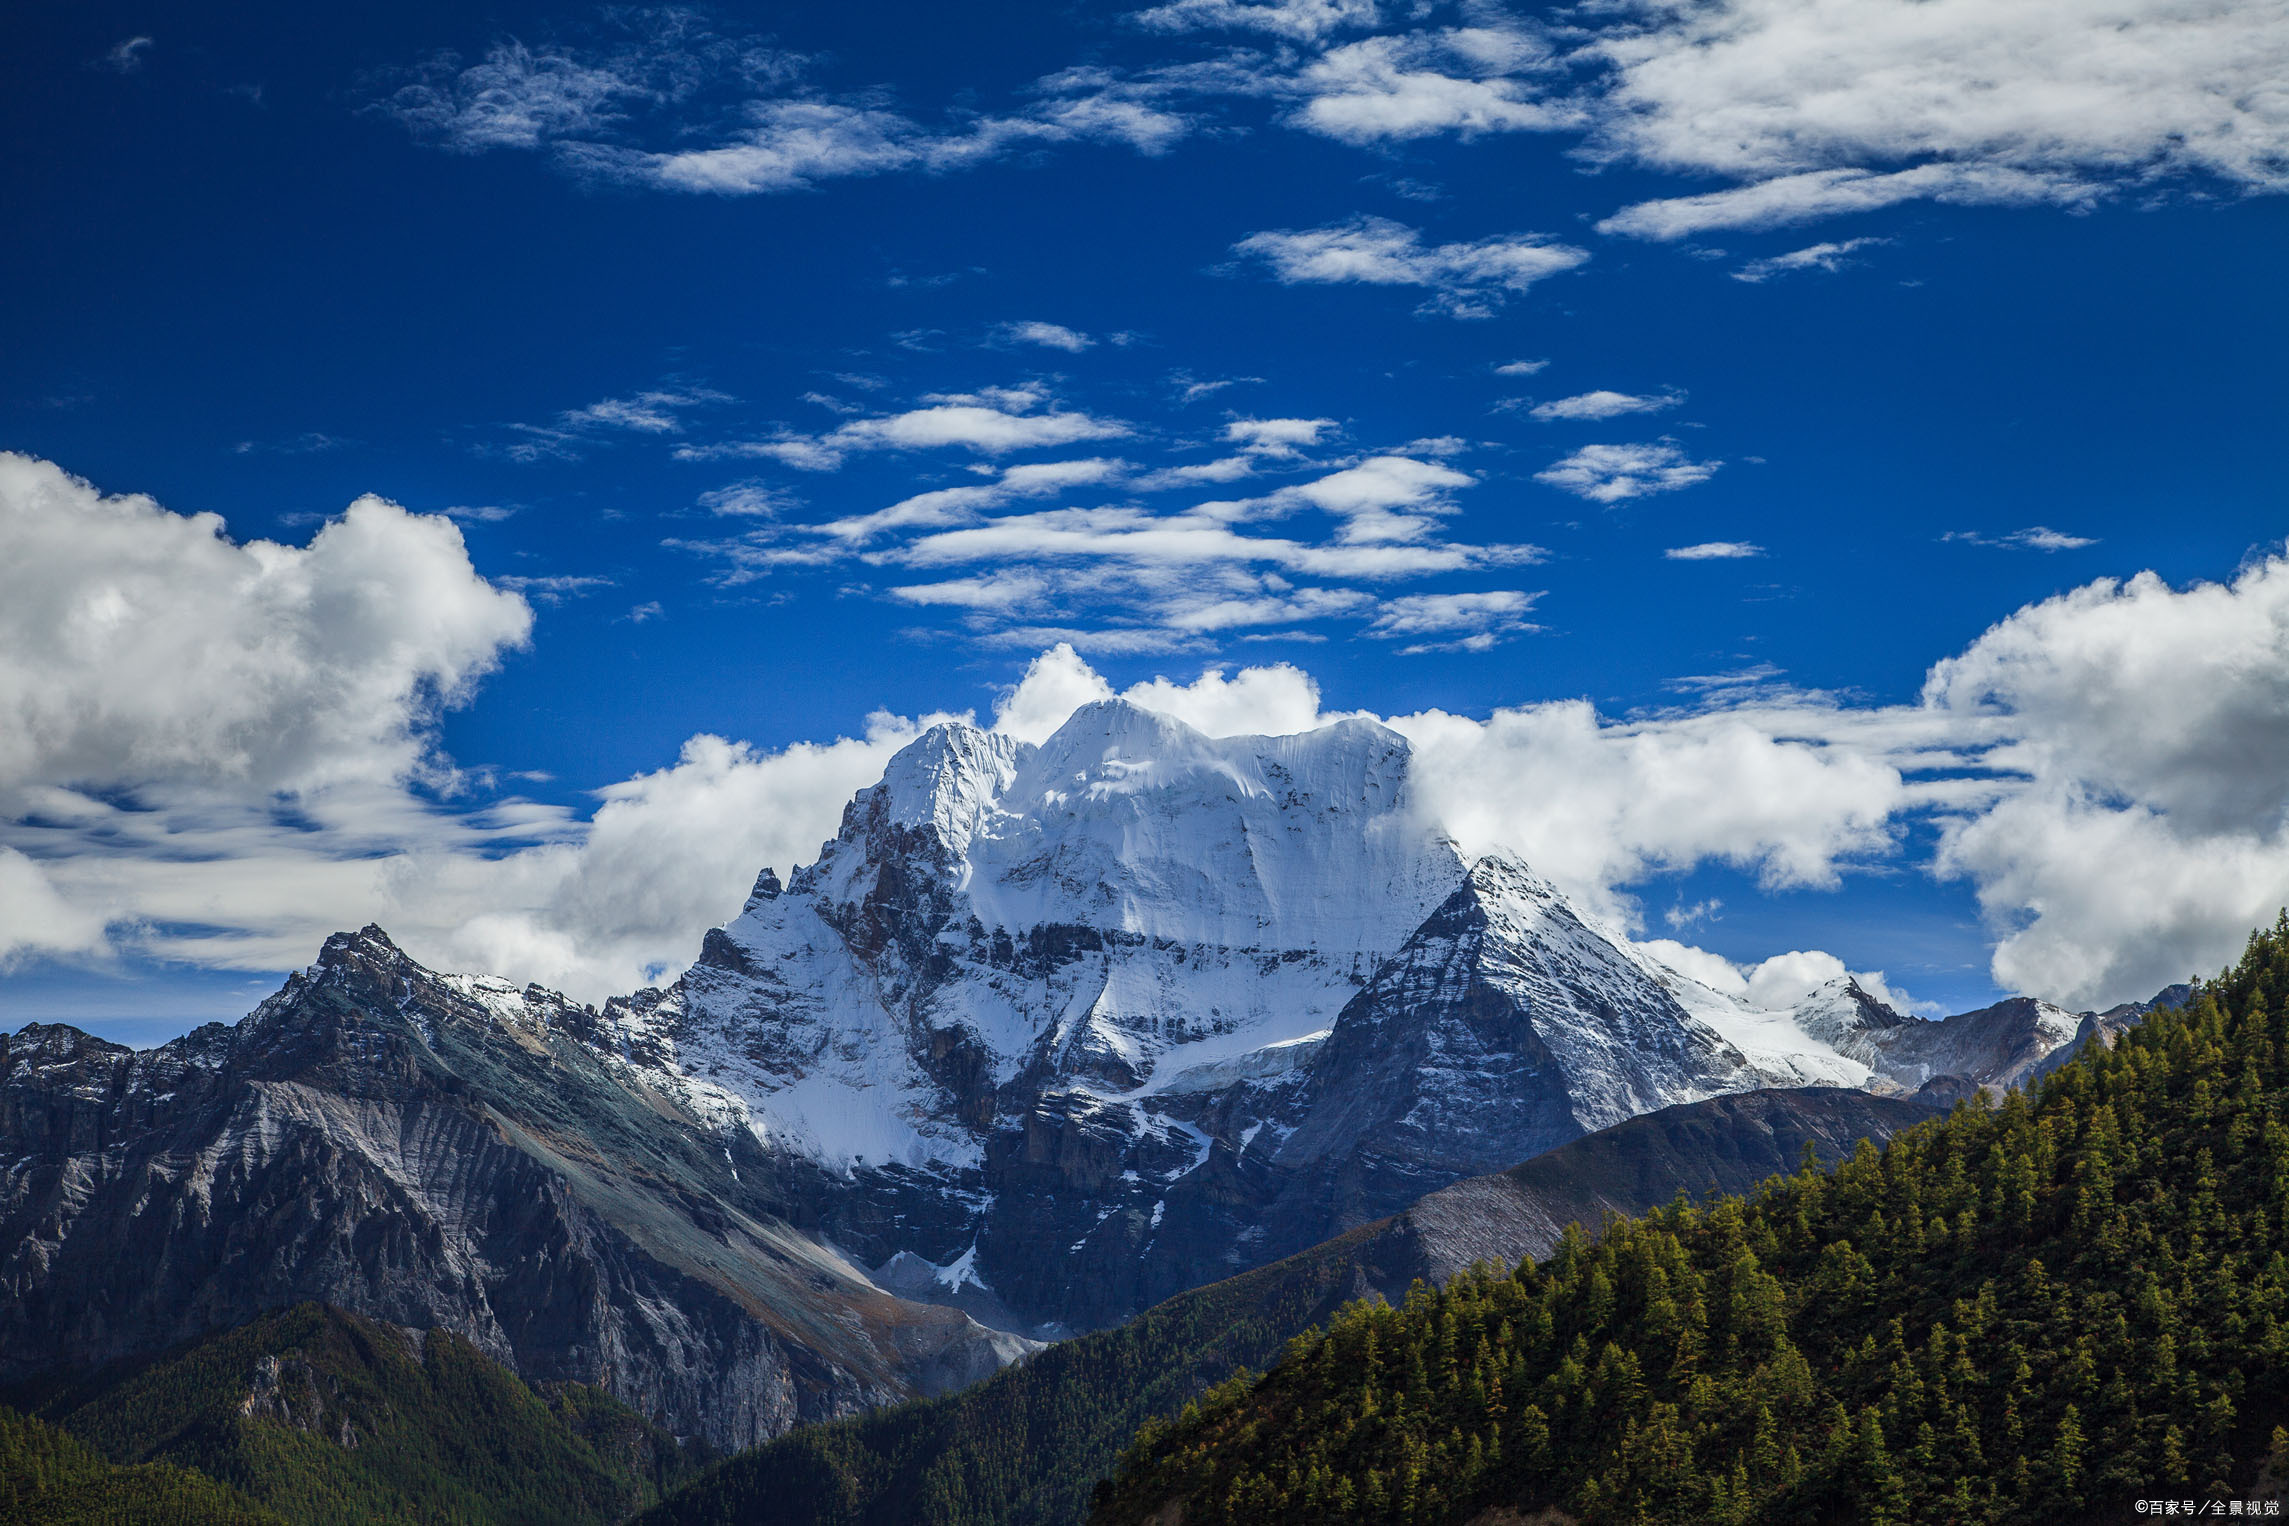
(1457, 622)
(1316, 547)
(554, 589)
(658, 98)
(1296, 20)
(1714, 551)
(657, 412)
(1612, 473)
(1828, 257)
(129, 56)
(1467, 280)
(991, 422)
(2033, 538)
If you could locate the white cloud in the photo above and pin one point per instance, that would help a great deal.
(966, 504)
(1613, 473)
(990, 423)
(2033, 538)
(140, 647)
(1603, 404)
(751, 499)
(792, 145)
(128, 57)
(1775, 983)
(1829, 257)
(727, 113)
(1279, 700)
(654, 412)
(1055, 684)
(34, 919)
(1053, 336)
(1468, 280)
(1520, 367)
(1470, 622)
(1395, 88)
(1821, 106)
(2102, 767)
(1368, 497)
(1297, 20)
(1787, 200)
(1713, 551)
(1277, 437)
(554, 588)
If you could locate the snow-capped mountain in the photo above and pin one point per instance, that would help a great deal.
(1044, 1036)
(1056, 1031)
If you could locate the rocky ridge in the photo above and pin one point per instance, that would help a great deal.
(435, 1151)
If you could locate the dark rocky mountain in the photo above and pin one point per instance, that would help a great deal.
(1024, 1447)
(439, 1152)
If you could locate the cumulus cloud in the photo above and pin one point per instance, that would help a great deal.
(1776, 983)
(141, 647)
(1277, 437)
(1603, 404)
(1467, 280)
(1614, 473)
(1713, 551)
(1279, 700)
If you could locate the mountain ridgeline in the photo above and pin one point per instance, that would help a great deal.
(1045, 1037)
(2040, 1310)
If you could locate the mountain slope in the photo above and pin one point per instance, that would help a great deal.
(50, 1478)
(2017, 1313)
(435, 1152)
(1024, 1447)
(323, 1417)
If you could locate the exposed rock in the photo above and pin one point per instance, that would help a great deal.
(433, 1151)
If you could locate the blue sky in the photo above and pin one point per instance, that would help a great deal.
(1681, 382)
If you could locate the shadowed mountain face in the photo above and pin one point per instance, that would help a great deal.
(1024, 1447)
(434, 1152)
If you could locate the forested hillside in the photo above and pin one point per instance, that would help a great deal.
(2025, 1312)
(50, 1478)
(323, 1417)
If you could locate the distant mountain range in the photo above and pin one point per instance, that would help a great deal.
(1044, 1037)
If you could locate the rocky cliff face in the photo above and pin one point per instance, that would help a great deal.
(434, 1151)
